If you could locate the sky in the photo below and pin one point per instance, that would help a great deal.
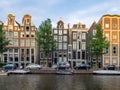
(71, 11)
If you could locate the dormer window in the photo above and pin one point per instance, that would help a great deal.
(78, 26)
(60, 26)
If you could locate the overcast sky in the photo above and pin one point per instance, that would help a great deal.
(71, 11)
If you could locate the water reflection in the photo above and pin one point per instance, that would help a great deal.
(59, 82)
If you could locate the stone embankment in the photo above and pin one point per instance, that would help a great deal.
(53, 71)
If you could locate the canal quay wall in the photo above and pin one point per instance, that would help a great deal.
(53, 71)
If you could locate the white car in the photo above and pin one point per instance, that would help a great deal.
(34, 66)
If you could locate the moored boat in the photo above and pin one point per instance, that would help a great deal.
(107, 72)
(19, 72)
(3, 73)
(64, 72)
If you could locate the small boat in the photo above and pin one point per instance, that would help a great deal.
(3, 73)
(64, 72)
(19, 72)
(106, 72)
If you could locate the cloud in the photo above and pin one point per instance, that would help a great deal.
(90, 14)
(114, 10)
(53, 9)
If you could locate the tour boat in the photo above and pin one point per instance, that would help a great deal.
(107, 72)
(64, 72)
(19, 72)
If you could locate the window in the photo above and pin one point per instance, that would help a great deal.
(79, 45)
(27, 35)
(107, 36)
(27, 28)
(60, 45)
(22, 51)
(16, 58)
(16, 50)
(11, 58)
(78, 26)
(65, 38)
(60, 38)
(83, 54)
(32, 42)
(106, 25)
(10, 34)
(55, 37)
(22, 34)
(32, 51)
(60, 59)
(27, 51)
(74, 45)
(10, 50)
(83, 46)
(28, 20)
(83, 35)
(5, 58)
(74, 55)
(15, 42)
(69, 56)
(55, 31)
(74, 36)
(69, 48)
(114, 50)
(27, 58)
(60, 32)
(32, 35)
(78, 55)
(114, 25)
(94, 32)
(15, 34)
(27, 42)
(107, 50)
(64, 59)
(22, 42)
(114, 36)
(65, 46)
(32, 57)
(65, 32)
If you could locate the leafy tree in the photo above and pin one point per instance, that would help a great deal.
(3, 41)
(45, 39)
(97, 44)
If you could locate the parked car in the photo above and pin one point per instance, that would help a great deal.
(82, 66)
(63, 65)
(110, 67)
(33, 66)
(9, 66)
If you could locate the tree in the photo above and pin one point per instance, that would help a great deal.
(3, 41)
(97, 44)
(45, 39)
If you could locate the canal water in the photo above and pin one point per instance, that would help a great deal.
(59, 82)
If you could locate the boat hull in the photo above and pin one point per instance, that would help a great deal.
(64, 73)
(4, 74)
(19, 72)
(106, 72)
